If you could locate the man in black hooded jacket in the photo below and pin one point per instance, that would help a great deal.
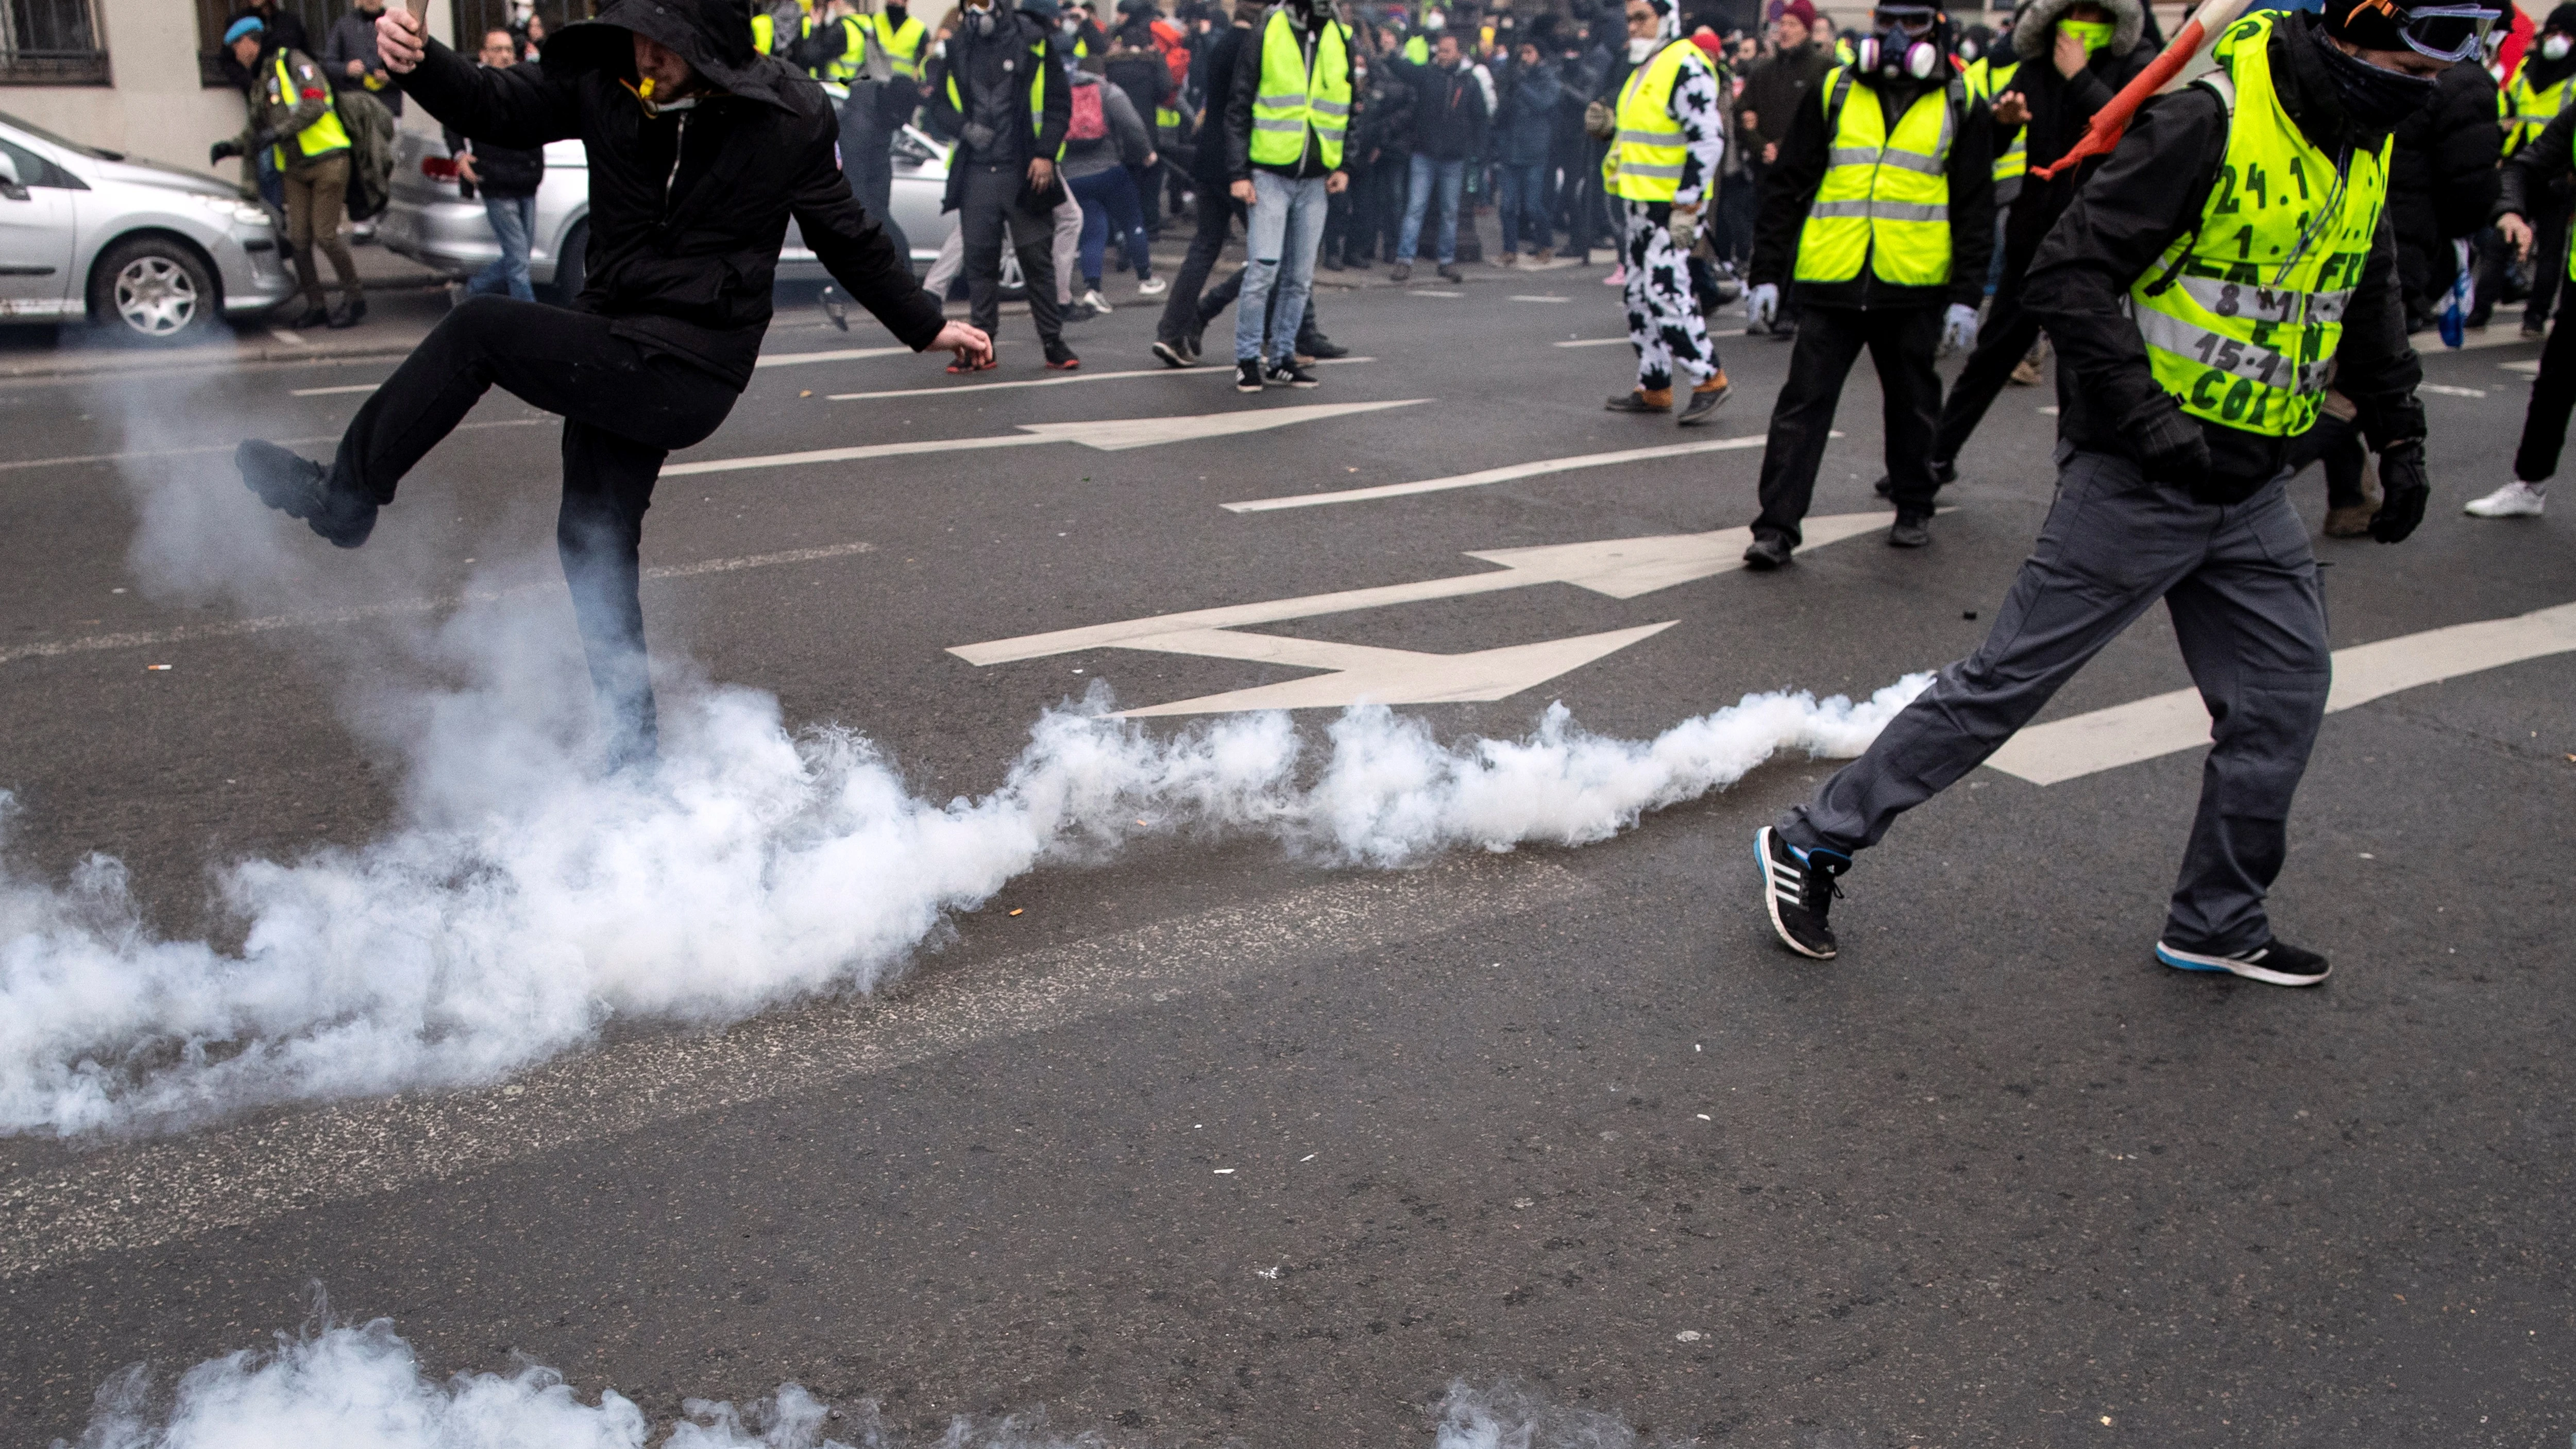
(700, 150)
(2160, 496)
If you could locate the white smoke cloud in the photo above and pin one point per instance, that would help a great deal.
(502, 926)
(1511, 1415)
(362, 1388)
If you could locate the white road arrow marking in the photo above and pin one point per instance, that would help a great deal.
(1108, 434)
(1537, 468)
(2171, 723)
(1070, 378)
(837, 354)
(1622, 568)
(1380, 676)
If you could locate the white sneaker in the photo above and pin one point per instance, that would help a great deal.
(1152, 287)
(1096, 302)
(2516, 499)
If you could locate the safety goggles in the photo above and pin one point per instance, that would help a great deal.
(2444, 32)
(1914, 20)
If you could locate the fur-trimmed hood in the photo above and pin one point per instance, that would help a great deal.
(2030, 33)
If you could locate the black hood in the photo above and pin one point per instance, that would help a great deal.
(713, 36)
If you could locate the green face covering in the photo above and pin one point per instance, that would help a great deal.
(2094, 33)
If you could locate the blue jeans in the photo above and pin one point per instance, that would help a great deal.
(512, 218)
(1287, 225)
(1106, 197)
(1524, 204)
(1450, 176)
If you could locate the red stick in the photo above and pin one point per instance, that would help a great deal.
(2112, 121)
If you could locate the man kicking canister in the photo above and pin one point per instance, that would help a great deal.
(700, 149)
(2232, 247)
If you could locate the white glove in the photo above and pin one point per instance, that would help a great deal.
(1683, 228)
(1762, 305)
(1959, 329)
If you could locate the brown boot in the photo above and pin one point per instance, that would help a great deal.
(1705, 398)
(1543, 254)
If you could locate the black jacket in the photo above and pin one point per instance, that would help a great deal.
(1385, 127)
(2442, 181)
(2061, 110)
(1018, 43)
(1246, 84)
(1449, 115)
(687, 209)
(1790, 186)
(2150, 191)
(1209, 166)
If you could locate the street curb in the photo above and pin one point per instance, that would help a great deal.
(158, 362)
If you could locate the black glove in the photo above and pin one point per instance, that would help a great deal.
(2404, 489)
(2171, 449)
(222, 151)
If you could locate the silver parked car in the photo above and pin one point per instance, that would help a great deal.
(154, 251)
(431, 224)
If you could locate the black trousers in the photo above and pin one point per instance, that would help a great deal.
(1901, 340)
(1181, 318)
(867, 157)
(991, 205)
(624, 406)
(2553, 394)
(2002, 342)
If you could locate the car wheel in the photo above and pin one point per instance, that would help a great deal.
(572, 264)
(1014, 287)
(156, 290)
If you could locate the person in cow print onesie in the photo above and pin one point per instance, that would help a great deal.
(1662, 196)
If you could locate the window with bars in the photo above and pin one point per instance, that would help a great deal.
(51, 42)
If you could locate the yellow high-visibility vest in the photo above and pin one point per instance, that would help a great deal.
(2242, 315)
(903, 44)
(1293, 96)
(1885, 199)
(319, 139)
(2527, 111)
(1646, 158)
(1037, 94)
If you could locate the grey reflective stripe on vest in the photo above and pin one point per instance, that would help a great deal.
(1881, 210)
(2241, 359)
(2265, 304)
(1282, 101)
(1632, 168)
(1265, 123)
(1673, 137)
(1329, 108)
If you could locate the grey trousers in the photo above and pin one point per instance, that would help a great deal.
(2247, 609)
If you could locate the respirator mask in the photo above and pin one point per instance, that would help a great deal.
(1904, 46)
(2554, 47)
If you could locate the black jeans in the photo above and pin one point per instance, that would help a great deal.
(2005, 339)
(867, 156)
(1216, 213)
(1901, 340)
(993, 202)
(624, 408)
(2553, 394)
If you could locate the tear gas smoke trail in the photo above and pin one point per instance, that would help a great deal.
(528, 902)
(362, 1388)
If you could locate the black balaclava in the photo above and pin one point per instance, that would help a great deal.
(2539, 69)
(2374, 100)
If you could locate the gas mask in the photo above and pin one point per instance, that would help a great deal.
(2555, 46)
(1904, 46)
(978, 23)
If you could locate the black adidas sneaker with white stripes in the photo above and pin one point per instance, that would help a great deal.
(1798, 890)
(2275, 962)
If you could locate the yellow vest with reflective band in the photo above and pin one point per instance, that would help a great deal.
(319, 139)
(844, 67)
(2242, 315)
(764, 31)
(1987, 81)
(903, 44)
(1292, 98)
(1037, 94)
(1645, 160)
(2527, 111)
(1885, 199)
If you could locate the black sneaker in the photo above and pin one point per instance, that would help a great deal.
(350, 312)
(1943, 475)
(2275, 962)
(1798, 889)
(1289, 374)
(300, 488)
(1449, 272)
(1324, 346)
(1247, 376)
(1766, 554)
(1171, 353)
(1192, 345)
(1910, 532)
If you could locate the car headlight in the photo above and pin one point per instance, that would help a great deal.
(232, 208)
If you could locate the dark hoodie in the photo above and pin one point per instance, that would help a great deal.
(687, 208)
(2149, 192)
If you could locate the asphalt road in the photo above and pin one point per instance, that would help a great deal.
(1204, 1143)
